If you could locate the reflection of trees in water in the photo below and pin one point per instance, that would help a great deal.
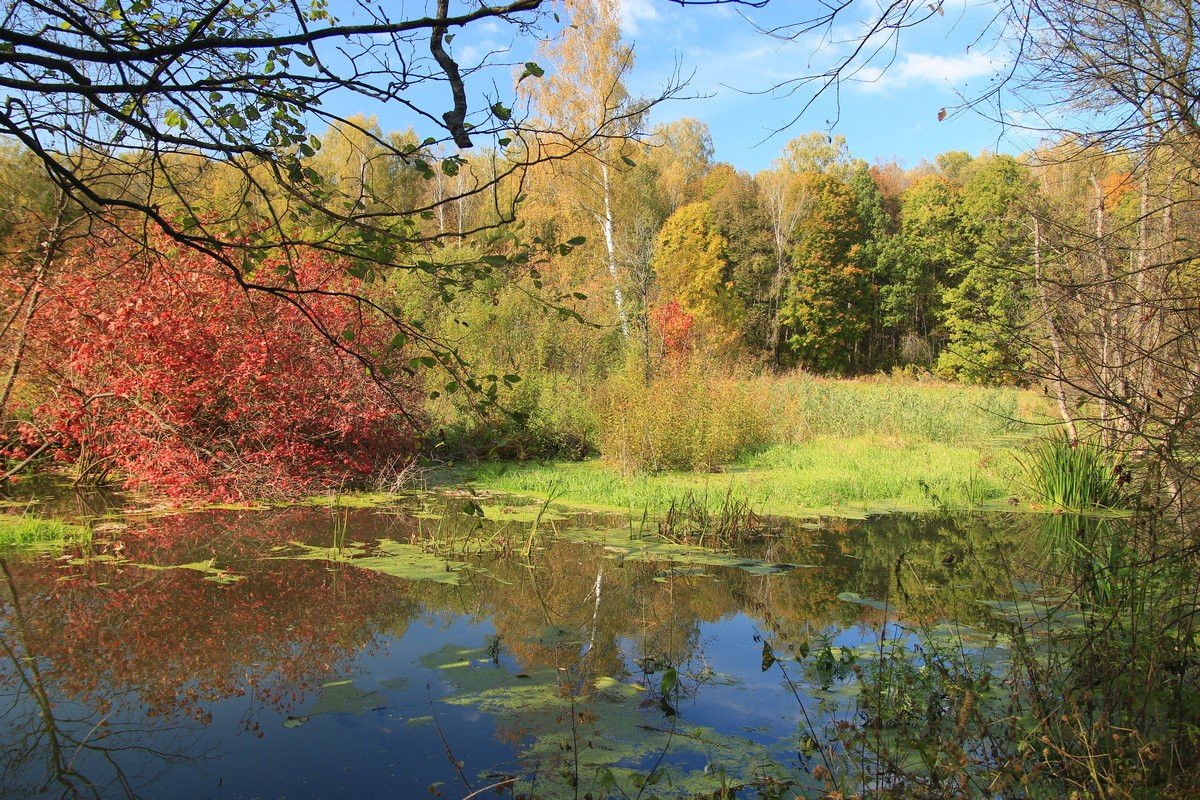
(172, 642)
(153, 649)
(940, 566)
(55, 746)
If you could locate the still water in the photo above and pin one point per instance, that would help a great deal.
(417, 649)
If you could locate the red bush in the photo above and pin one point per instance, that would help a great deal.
(674, 326)
(161, 367)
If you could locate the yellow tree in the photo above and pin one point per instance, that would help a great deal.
(692, 266)
(591, 122)
(681, 154)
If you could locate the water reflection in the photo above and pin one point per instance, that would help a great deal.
(580, 669)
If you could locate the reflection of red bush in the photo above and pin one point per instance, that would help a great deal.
(171, 642)
(162, 368)
(674, 326)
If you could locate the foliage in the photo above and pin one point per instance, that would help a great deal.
(688, 419)
(154, 365)
(693, 270)
(989, 302)
(1074, 475)
(826, 309)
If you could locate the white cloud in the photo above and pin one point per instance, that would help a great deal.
(912, 69)
(636, 12)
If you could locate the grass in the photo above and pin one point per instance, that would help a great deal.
(845, 477)
(806, 407)
(1073, 476)
(32, 531)
(841, 447)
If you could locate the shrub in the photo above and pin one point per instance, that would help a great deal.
(159, 367)
(684, 420)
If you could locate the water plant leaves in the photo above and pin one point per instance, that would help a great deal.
(343, 697)
(858, 599)
(612, 734)
(387, 557)
(620, 545)
(208, 568)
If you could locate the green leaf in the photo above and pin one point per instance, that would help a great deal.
(532, 70)
(501, 112)
(577, 240)
(669, 679)
(629, 162)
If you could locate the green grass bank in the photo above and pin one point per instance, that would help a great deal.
(813, 446)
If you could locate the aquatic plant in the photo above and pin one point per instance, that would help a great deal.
(1074, 475)
(28, 529)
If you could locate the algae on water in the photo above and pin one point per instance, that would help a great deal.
(577, 732)
(622, 546)
(387, 557)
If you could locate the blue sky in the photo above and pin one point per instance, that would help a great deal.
(884, 113)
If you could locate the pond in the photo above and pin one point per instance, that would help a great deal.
(440, 645)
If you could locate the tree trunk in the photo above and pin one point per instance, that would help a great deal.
(606, 222)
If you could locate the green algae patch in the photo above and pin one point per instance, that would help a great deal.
(359, 500)
(623, 547)
(600, 733)
(397, 559)
(343, 697)
(210, 571)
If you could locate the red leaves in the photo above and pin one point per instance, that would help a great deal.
(674, 325)
(165, 370)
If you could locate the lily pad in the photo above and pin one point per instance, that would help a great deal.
(858, 599)
(621, 546)
(400, 560)
(611, 733)
(343, 697)
(210, 570)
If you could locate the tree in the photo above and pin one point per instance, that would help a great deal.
(918, 265)
(986, 307)
(736, 201)
(691, 263)
(592, 121)
(681, 152)
(870, 207)
(827, 309)
(137, 112)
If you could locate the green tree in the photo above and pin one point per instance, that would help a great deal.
(918, 265)
(876, 224)
(826, 312)
(987, 307)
